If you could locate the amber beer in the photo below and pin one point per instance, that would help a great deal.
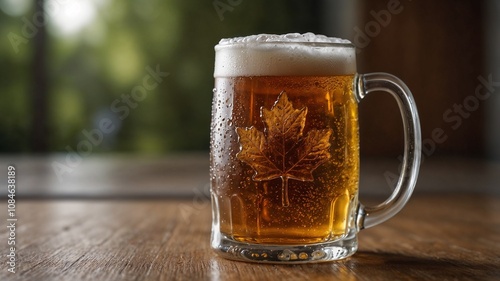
(284, 143)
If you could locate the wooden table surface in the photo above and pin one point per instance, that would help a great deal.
(433, 238)
(143, 219)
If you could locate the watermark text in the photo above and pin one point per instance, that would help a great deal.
(121, 107)
(11, 219)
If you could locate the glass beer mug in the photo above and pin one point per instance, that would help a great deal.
(285, 149)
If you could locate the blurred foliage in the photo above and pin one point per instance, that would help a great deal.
(92, 68)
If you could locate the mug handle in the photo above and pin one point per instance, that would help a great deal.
(364, 84)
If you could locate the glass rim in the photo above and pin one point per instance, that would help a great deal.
(220, 46)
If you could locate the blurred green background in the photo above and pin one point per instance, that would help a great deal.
(96, 51)
(67, 65)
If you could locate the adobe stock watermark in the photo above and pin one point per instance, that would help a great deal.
(201, 200)
(381, 19)
(12, 223)
(454, 116)
(120, 106)
(39, 19)
(223, 6)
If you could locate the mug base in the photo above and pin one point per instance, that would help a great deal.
(286, 254)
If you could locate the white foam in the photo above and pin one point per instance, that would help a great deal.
(289, 54)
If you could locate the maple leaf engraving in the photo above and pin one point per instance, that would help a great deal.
(282, 150)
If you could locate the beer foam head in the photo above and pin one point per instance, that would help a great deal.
(284, 55)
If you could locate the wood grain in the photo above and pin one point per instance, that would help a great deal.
(434, 238)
